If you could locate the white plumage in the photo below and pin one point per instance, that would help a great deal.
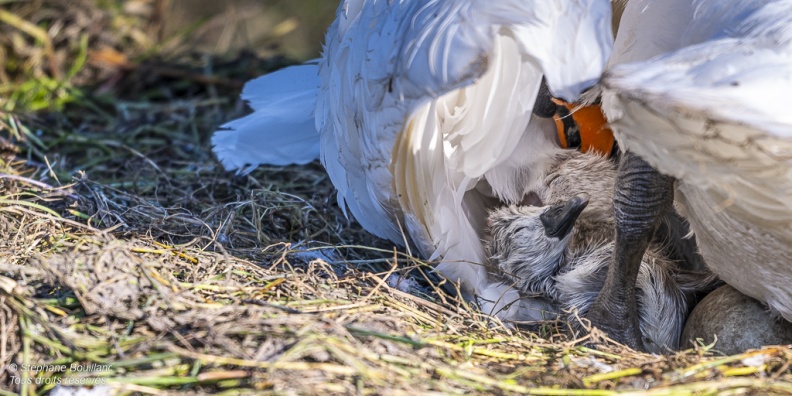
(423, 110)
(281, 130)
(699, 89)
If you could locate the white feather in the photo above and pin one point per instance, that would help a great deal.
(281, 130)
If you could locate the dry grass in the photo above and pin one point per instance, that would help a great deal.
(127, 246)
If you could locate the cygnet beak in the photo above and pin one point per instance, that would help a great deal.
(559, 220)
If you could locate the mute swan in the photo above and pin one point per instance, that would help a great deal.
(424, 116)
(697, 90)
(561, 251)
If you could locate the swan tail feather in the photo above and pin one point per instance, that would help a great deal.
(282, 128)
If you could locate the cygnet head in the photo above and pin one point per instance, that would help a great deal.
(528, 243)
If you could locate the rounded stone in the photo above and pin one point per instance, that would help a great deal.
(740, 322)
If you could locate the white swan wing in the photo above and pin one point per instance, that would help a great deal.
(713, 113)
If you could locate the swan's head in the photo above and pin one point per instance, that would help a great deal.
(528, 243)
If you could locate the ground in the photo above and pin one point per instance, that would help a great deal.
(132, 262)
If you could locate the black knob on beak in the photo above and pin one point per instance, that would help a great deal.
(544, 106)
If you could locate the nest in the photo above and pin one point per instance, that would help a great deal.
(128, 251)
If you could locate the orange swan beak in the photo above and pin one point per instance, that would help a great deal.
(583, 127)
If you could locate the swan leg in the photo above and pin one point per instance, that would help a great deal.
(643, 196)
